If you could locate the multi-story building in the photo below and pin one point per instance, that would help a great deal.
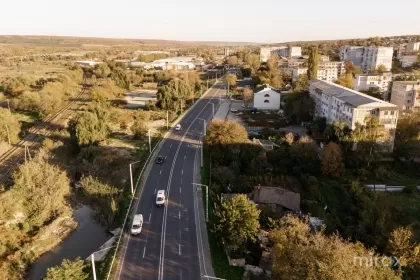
(324, 58)
(368, 58)
(407, 59)
(406, 95)
(226, 52)
(413, 47)
(380, 81)
(283, 51)
(337, 103)
(327, 71)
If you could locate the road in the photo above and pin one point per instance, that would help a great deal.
(173, 244)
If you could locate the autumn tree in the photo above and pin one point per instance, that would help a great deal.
(232, 60)
(102, 71)
(313, 62)
(346, 81)
(87, 128)
(74, 270)
(332, 161)
(381, 69)
(230, 79)
(225, 132)
(402, 246)
(289, 138)
(248, 96)
(139, 128)
(350, 68)
(17, 85)
(9, 126)
(301, 254)
(301, 84)
(237, 221)
(253, 61)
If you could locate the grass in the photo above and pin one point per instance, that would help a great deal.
(219, 259)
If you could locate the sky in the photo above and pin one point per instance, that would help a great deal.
(261, 21)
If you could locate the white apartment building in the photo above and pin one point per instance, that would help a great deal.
(327, 71)
(380, 81)
(413, 47)
(337, 103)
(282, 51)
(407, 59)
(406, 95)
(368, 58)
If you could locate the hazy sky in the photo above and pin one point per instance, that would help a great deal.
(263, 21)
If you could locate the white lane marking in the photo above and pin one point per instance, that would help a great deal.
(170, 146)
(160, 171)
(154, 192)
(180, 190)
(179, 249)
(179, 215)
(185, 157)
(165, 213)
(166, 157)
(144, 252)
(150, 216)
(182, 171)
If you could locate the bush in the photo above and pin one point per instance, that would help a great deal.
(139, 129)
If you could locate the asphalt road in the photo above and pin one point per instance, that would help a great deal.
(173, 244)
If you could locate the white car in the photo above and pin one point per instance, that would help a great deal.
(137, 224)
(160, 198)
(233, 110)
(178, 127)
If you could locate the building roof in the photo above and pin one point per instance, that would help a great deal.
(351, 97)
(372, 75)
(265, 87)
(278, 196)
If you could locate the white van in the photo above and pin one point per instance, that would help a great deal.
(137, 224)
(160, 198)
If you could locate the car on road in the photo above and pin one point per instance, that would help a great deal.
(233, 110)
(159, 160)
(178, 127)
(137, 224)
(160, 198)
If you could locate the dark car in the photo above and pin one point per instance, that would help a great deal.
(159, 160)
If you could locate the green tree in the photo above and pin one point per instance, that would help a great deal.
(68, 270)
(313, 62)
(237, 221)
(407, 136)
(17, 85)
(381, 69)
(402, 246)
(88, 129)
(139, 128)
(121, 78)
(301, 254)
(225, 132)
(346, 81)
(102, 71)
(248, 96)
(9, 126)
(230, 79)
(332, 160)
(304, 154)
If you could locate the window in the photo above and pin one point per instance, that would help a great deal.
(385, 113)
(266, 95)
(392, 112)
(266, 101)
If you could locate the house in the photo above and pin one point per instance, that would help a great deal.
(266, 98)
(276, 196)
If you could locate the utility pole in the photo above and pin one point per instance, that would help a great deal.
(167, 120)
(207, 83)
(131, 177)
(8, 135)
(93, 268)
(150, 143)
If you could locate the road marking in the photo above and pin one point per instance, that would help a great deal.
(185, 157)
(144, 252)
(180, 190)
(150, 216)
(182, 171)
(179, 215)
(154, 192)
(166, 157)
(179, 249)
(170, 146)
(160, 171)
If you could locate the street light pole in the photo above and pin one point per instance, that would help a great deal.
(131, 177)
(93, 267)
(150, 143)
(167, 120)
(207, 199)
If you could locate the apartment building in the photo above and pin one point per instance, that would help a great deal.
(327, 71)
(283, 51)
(406, 95)
(382, 82)
(413, 47)
(368, 58)
(407, 59)
(337, 103)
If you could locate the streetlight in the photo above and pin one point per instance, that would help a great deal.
(211, 277)
(207, 199)
(131, 177)
(204, 125)
(93, 260)
(150, 143)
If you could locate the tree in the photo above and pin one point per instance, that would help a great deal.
(230, 79)
(248, 95)
(300, 254)
(407, 136)
(246, 72)
(373, 91)
(332, 161)
(88, 129)
(381, 69)
(102, 71)
(237, 221)
(351, 68)
(301, 84)
(74, 270)
(304, 154)
(346, 81)
(9, 126)
(139, 128)
(225, 132)
(313, 62)
(233, 60)
(402, 246)
(253, 61)
(289, 138)
(100, 94)
(120, 77)
(273, 63)
(17, 85)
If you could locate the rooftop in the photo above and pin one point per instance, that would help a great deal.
(351, 97)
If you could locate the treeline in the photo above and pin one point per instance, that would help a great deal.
(151, 57)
